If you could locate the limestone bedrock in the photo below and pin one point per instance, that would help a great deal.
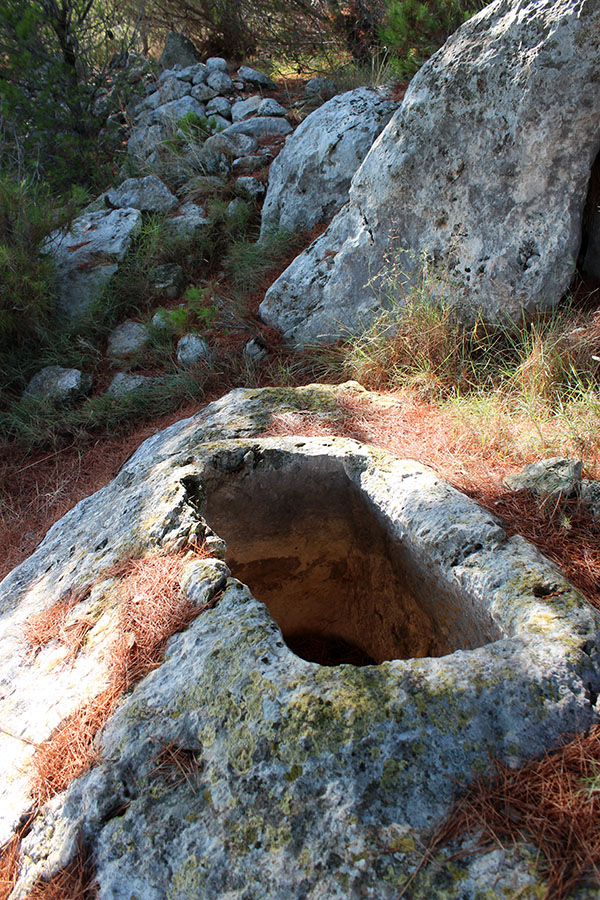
(311, 780)
(483, 170)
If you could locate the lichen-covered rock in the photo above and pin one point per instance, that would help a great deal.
(230, 144)
(219, 106)
(169, 114)
(243, 109)
(310, 178)
(250, 188)
(303, 779)
(484, 170)
(167, 281)
(270, 107)
(89, 254)
(556, 477)
(220, 82)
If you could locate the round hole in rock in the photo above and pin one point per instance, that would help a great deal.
(312, 545)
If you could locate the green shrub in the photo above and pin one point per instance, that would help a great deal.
(414, 29)
(28, 215)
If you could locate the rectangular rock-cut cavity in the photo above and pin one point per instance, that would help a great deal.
(310, 543)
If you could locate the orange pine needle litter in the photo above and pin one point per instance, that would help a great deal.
(553, 803)
(74, 882)
(152, 609)
(9, 862)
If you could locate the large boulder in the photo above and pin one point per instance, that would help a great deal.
(178, 50)
(310, 178)
(381, 640)
(88, 255)
(484, 170)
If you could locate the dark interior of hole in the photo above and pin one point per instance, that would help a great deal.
(309, 544)
(588, 260)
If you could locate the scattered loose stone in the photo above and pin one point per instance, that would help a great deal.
(255, 350)
(194, 74)
(219, 106)
(192, 350)
(555, 477)
(250, 188)
(220, 82)
(245, 165)
(170, 89)
(219, 123)
(243, 109)
(263, 126)
(251, 76)
(324, 88)
(202, 92)
(169, 114)
(231, 144)
(59, 385)
(167, 280)
(147, 194)
(145, 140)
(216, 64)
(126, 383)
(270, 107)
(127, 339)
(189, 221)
(589, 492)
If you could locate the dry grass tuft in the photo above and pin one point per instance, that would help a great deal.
(75, 882)
(153, 609)
(553, 803)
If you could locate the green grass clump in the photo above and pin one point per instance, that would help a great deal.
(37, 423)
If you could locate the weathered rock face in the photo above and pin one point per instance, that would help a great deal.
(310, 779)
(309, 180)
(88, 255)
(484, 169)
